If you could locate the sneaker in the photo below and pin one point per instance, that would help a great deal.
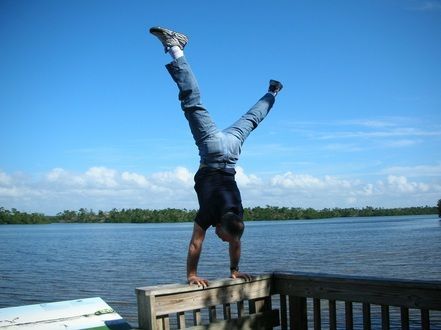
(169, 38)
(275, 86)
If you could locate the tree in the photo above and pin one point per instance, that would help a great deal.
(439, 208)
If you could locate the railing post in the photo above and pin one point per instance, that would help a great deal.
(197, 319)
(259, 305)
(163, 322)
(298, 317)
(366, 316)
(227, 311)
(240, 309)
(385, 318)
(212, 316)
(283, 313)
(404, 318)
(332, 315)
(425, 319)
(181, 320)
(317, 314)
(349, 317)
(146, 311)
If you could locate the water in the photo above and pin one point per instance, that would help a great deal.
(46, 263)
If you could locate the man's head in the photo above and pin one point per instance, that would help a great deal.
(230, 228)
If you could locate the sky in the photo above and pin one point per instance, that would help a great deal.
(89, 117)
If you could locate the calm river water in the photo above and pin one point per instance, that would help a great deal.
(46, 263)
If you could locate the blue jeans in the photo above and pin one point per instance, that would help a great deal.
(217, 148)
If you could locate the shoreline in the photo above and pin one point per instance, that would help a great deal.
(268, 213)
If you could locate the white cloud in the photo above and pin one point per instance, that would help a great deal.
(62, 177)
(414, 171)
(180, 175)
(368, 190)
(305, 181)
(305, 190)
(56, 174)
(373, 123)
(389, 133)
(101, 176)
(5, 179)
(290, 180)
(371, 134)
(401, 143)
(401, 184)
(104, 188)
(10, 192)
(245, 180)
(343, 147)
(427, 6)
(135, 178)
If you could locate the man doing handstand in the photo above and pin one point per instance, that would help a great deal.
(220, 203)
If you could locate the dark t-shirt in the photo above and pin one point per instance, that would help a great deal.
(217, 194)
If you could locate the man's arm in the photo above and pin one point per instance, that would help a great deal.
(194, 252)
(235, 251)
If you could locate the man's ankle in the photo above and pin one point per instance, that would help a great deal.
(175, 52)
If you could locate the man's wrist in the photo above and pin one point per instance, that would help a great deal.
(234, 269)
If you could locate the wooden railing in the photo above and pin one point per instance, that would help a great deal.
(366, 293)
(293, 301)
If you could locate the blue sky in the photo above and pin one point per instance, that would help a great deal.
(90, 118)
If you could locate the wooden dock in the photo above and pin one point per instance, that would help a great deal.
(293, 301)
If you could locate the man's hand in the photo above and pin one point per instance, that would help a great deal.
(237, 274)
(199, 281)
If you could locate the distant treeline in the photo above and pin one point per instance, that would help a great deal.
(14, 216)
